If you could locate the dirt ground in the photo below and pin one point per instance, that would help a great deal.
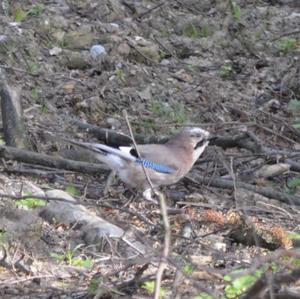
(230, 67)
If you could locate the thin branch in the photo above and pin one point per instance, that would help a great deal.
(285, 34)
(167, 242)
(150, 10)
(164, 211)
(137, 150)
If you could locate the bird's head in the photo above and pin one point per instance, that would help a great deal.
(199, 139)
(198, 136)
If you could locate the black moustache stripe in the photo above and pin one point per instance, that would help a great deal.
(200, 143)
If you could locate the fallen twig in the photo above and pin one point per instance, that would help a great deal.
(114, 138)
(265, 191)
(12, 153)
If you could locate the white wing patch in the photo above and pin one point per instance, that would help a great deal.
(126, 149)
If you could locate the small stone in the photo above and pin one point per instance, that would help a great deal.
(123, 49)
(69, 87)
(220, 246)
(165, 62)
(114, 25)
(97, 51)
(55, 51)
(3, 38)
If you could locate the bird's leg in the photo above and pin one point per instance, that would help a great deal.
(147, 194)
(109, 181)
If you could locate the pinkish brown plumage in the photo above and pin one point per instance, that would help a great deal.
(165, 163)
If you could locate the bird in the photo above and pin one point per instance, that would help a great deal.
(165, 164)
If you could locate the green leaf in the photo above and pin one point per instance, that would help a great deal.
(35, 94)
(58, 257)
(31, 202)
(81, 262)
(287, 44)
(72, 190)
(2, 235)
(36, 10)
(227, 278)
(235, 10)
(149, 286)
(191, 31)
(294, 236)
(226, 70)
(94, 285)
(188, 269)
(296, 126)
(294, 183)
(240, 284)
(294, 106)
(19, 14)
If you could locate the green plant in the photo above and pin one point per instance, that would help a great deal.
(2, 235)
(72, 190)
(287, 44)
(294, 108)
(294, 236)
(191, 30)
(174, 113)
(226, 70)
(296, 125)
(205, 31)
(19, 14)
(35, 94)
(149, 286)
(235, 10)
(294, 183)
(33, 68)
(162, 54)
(35, 11)
(94, 285)
(31, 202)
(164, 32)
(294, 261)
(44, 109)
(69, 256)
(188, 269)
(120, 74)
(239, 284)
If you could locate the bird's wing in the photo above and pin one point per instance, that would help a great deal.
(155, 156)
(152, 155)
(103, 149)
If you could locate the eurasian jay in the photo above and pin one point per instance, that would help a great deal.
(165, 163)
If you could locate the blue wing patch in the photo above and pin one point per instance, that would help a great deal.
(155, 166)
